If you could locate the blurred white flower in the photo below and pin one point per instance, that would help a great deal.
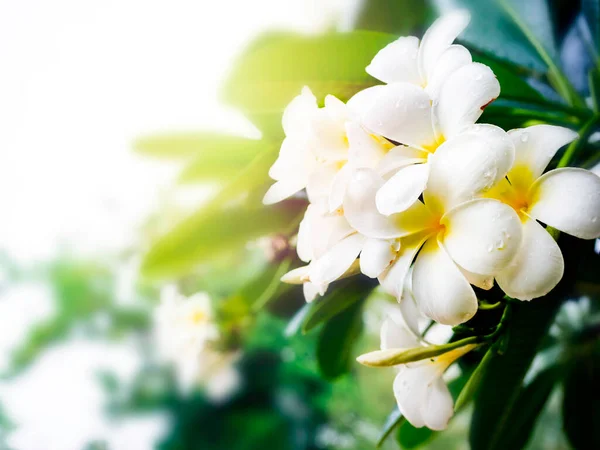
(567, 199)
(321, 146)
(187, 337)
(420, 390)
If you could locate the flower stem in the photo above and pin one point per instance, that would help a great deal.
(576, 145)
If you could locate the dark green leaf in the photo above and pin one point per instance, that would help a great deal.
(339, 297)
(528, 406)
(511, 79)
(410, 437)
(494, 31)
(336, 341)
(591, 13)
(501, 383)
(274, 70)
(581, 416)
(472, 385)
(594, 82)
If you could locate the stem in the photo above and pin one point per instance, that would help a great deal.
(576, 145)
(487, 306)
(555, 75)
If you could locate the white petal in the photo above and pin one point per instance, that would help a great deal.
(463, 97)
(362, 101)
(410, 311)
(468, 165)
(537, 268)
(534, 148)
(400, 156)
(298, 115)
(441, 291)
(485, 282)
(376, 256)
(311, 290)
(397, 61)
(304, 245)
(362, 214)
(395, 334)
(338, 187)
(393, 280)
(295, 160)
(335, 262)
(320, 181)
(454, 57)
(439, 407)
(568, 199)
(411, 390)
(482, 235)
(402, 112)
(364, 150)
(299, 275)
(403, 189)
(282, 190)
(440, 35)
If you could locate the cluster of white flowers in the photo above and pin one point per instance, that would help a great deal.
(405, 187)
(186, 336)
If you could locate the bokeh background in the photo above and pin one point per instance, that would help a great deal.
(82, 85)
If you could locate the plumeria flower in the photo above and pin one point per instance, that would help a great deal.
(331, 246)
(320, 148)
(427, 63)
(422, 119)
(567, 199)
(186, 336)
(419, 387)
(460, 239)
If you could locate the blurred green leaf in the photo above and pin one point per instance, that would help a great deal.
(591, 13)
(210, 145)
(336, 340)
(594, 82)
(273, 71)
(493, 30)
(208, 233)
(400, 17)
(394, 419)
(221, 163)
(581, 416)
(339, 297)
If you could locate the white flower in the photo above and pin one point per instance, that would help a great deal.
(435, 92)
(567, 199)
(462, 240)
(428, 63)
(320, 148)
(420, 390)
(332, 247)
(186, 335)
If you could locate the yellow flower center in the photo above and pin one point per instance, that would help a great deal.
(198, 317)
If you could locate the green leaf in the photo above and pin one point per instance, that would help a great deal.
(492, 30)
(340, 296)
(410, 437)
(472, 385)
(528, 406)
(400, 17)
(212, 146)
(394, 419)
(336, 340)
(273, 71)
(496, 400)
(513, 85)
(581, 416)
(594, 82)
(206, 234)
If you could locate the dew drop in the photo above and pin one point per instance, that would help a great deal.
(524, 137)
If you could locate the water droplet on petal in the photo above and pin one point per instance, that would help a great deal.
(524, 137)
